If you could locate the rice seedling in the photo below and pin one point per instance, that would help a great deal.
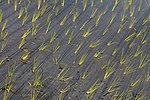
(37, 81)
(3, 60)
(20, 1)
(146, 19)
(140, 95)
(4, 35)
(48, 18)
(42, 47)
(35, 29)
(132, 23)
(8, 1)
(70, 37)
(139, 34)
(105, 11)
(101, 1)
(147, 75)
(105, 30)
(132, 44)
(98, 20)
(132, 9)
(84, 4)
(98, 53)
(4, 25)
(134, 82)
(82, 59)
(35, 65)
(22, 43)
(88, 32)
(53, 36)
(76, 1)
(25, 56)
(1, 15)
(115, 51)
(56, 47)
(76, 14)
(63, 21)
(116, 3)
(129, 69)
(128, 38)
(55, 3)
(94, 44)
(140, 5)
(79, 46)
(26, 34)
(15, 5)
(39, 4)
(48, 27)
(85, 74)
(63, 3)
(83, 25)
(21, 12)
(144, 59)
(5, 95)
(138, 51)
(65, 89)
(43, 9)
(36, 15)
(94, 87)
(56, 11)
(93, 13)
(11, 71)
(24, 19)
(123, 58)
(4, 43)
(144, 40)
(92, 3)
(130, 2)
(120, 27)
(56, 59)
(109, 70)
(115, 85)
(112, 20)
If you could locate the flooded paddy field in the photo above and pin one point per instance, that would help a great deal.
(74, 50)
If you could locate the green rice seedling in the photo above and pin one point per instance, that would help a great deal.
(70, 37)
(22, 43)
(123, 58)
(98, 53)
(138, 51)
(67, 31)
(101, 1)
(140, 5)
(35, 29)
(35, 65)
(147, 75)
(63, 3)
(92, 3)
(115, 51)
(134, 82)
(25, 56)
(94, 44)
(132, 23)
(48, 18)
(128, 38)
(129, 69)
(76, 14)
(55, 3)
(94, 87)
(98, 20)
(4, 35)
(48, 27)
(11, 71)
(83, 25)
(43, 9)
(2, 60)
(85, 74)
(62, 71)
(56, 59)
(109, 70)
(8, 1)
(63, 21)
(56, 11)
(65, 89)
(56, 47)
(115, 5)
(24, 19)
(84, 4)
(5, 95)
(115, 85)
(121, 27)
(144, 40)
(82, 59)
(37, 81)
(1, 15)
(42, 47)
(139, 34)
(15, 5)
(132, 44)
(76, 1)
(4, 43)
(4, 25)
(122, 16)
(88, 32)
(139, 95)
(112, 20)
(20, 1)
(143, 61)
(105, 11)
(36, 15)
(26, 34)
(93, 13)
(79, 46)
(132, 9)
(39, 4)
(105, 30)
(53, 36)
(111, 43)
(130, 2)
(146, 19)
(21, 12)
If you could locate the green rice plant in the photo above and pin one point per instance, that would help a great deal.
(146, 20)
(43, 9)
(25, 56)
(132, 9)
(11, 71)
(8, 1)
(105, 11)
(109, 70)
(92, 3)
(4, 43)
(143, 41)
(48, 27)
(65, 89)
(21, 12)
(2, 60)
(48, 18)
(134, 82)
(56, 47)
(67, 31)
(15, 5)
(35, 29)
(82, 59)
(56, 11)
(140, 95)
(112, 20)
(115, 51)
(24, 19)
(35, 65)
(76, 1)
(111, 43)
(4, 25)
(128, 38)
(94, 87)
(85, 74)
(4, 35)
(129, 69)
(63, 21)
(93, 13)
(101, 1)
(123, 58)
(79, 46)
(144, 59)
(115, 5)
(70, 37)
(1, 15)
(115, 85)
(63, 3)
(26, 34)
(55, 3)
(98, 20)
(35, 16)
(42, 47)
(22, 43)
(132, 22)
(120, 27)
(83, 25)
(132, 44)
(140, 5)
(84, 4)
(76, 14)
(94, 44)
(88, 32)
(138, 51)
(37, 80)
(139, 34)
(98, 53)
(39, 4)
(20, 1)
(105, 30)
(147, 75)
(56, 59)
(122, 16)
(130, 2)
(5, 95)
(53, 36)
